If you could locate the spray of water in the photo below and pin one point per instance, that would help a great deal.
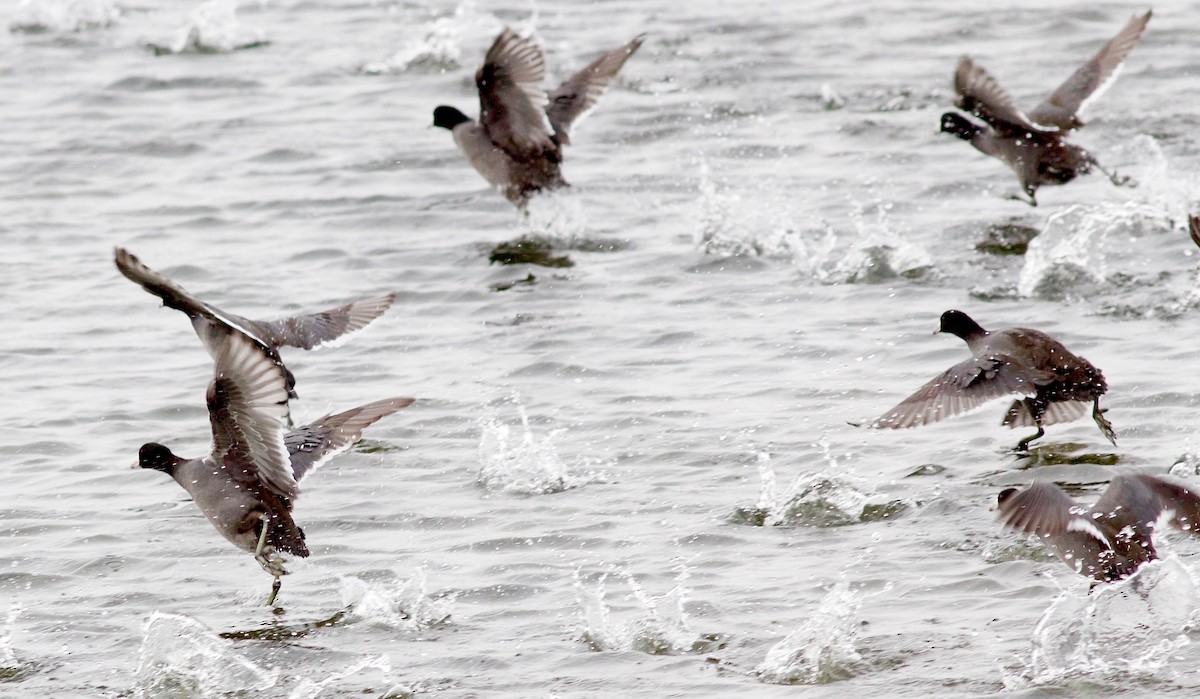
(44, 16)
(179, 656)
(310, 689)
(823, 648)
(527, 464)
(213, 27)
(1112, 632)
(404, 606)
(659, 626)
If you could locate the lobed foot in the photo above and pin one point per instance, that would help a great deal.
(266, 555)
(1103, 423)
(274, 591)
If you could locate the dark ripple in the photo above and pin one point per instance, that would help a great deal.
(141, 83)
(493, 593)
(550, 541)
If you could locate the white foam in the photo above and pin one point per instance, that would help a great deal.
(528, 464)
(659, 625)
(213, 27)
(34, 16)
(404, 606)
(823, 648)
(1114, 631)
(179, 655)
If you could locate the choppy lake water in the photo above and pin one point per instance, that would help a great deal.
(635, 476)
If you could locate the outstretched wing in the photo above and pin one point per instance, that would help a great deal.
(512, 99)
(1090, 80)
(314, 444)
(981, 94)
(172, 295)
(578, 96)
(315, 329)
(247, 407)
(1044, 510)
(961, 388)
(201, 313)
(1180, 503)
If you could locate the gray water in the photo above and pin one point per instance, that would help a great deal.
(634, 477)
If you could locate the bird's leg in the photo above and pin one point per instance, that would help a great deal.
(1102, 422)
(271, 564)
(1036, 410)
(1023, 445)
(1032, 200)
(1118, 180)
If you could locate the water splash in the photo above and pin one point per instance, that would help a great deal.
(11, 668)
(727, 227)
(436, 44)
(880, 253)
(1117, 631)
(830, 496)
(823, 648)
(660, 628)
(404, 606)
(309, 689)
(1077, 246)
(213, 27)
(1186, 465)
(180, 656)
(529, 465)
(1159, 187)
(557, 217)
(48, 16)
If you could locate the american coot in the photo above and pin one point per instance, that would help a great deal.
(1056, 384)
(304, 331)
(1111, 539)
(247, 484)
(517, 143)
(1034, 146)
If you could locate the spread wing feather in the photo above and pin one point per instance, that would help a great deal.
(961, 388)
(578, 95)
(315, 329)
(1091, 79)
(512, 98)
(314, 444)
(247, 405)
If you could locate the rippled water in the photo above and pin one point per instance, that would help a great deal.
(630, 477)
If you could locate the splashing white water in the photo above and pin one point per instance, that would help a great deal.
(557, 217)
(660, 627)
(529, 465)
(436, 44)
(404, 606)
(728, 227)
(823, 648)
(180, 656)
(38, 16)
(1115, 630)
(1077, 246)
(8, 657)
(879, 253)
(827, 496)
(213, 27)
(311, 689)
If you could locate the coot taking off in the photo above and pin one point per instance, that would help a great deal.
(517, 143)
(1111, 539)
(1035, 146)
(1056, 384)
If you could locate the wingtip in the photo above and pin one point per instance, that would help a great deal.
(1194, 228)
